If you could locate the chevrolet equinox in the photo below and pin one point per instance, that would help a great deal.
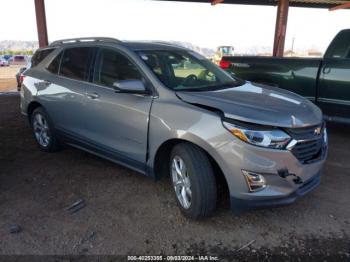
(164, 110)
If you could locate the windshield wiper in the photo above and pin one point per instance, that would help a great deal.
(212, 87)
(226, 85)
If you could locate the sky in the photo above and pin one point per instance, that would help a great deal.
(201, 24)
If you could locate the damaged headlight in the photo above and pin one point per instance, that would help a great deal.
(273, 138)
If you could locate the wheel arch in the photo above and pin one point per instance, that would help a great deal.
(31, 107)
(161, 163)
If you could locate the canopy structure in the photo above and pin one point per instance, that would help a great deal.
(281, 18)
(294, 3)
(282, 13)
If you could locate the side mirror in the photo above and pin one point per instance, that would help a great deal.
(130, 86)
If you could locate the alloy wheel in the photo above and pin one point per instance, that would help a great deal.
(181, 182)
(41, 130)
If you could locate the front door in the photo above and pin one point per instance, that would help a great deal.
(117, 122)
(334, 87)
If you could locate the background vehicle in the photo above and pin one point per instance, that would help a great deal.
(4, 62)
(325, 81)
(18, 60)
(223, 51)
(164, 110)
(7, 57)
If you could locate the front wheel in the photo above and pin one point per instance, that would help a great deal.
(193, 181)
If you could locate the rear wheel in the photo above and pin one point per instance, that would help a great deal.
(193, 181)
(43, 131)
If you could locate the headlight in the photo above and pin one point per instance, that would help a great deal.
(274, 138)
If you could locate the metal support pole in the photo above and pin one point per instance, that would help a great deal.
(41, 23)
(281, 27)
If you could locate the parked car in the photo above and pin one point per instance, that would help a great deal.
(36, 59)
(7, 57)
(125, 102)
(18, 60)
(4, 62)
(325, 81)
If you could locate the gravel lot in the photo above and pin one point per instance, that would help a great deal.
(7, 77)
(127, 213)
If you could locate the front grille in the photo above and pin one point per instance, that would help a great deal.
(304, 133)
(310, 145)
(308, 151)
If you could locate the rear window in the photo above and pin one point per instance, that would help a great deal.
(40, 55)
(75, 63)
(340, 46)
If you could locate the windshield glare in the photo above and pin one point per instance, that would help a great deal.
(186, 71)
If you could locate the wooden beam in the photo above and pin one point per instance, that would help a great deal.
(215, 2)
(281, 27)
(41, 23)
(338, 7)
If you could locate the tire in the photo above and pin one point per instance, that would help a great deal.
(51, 143)
(202, 196)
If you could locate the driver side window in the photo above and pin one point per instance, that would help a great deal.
(111, 67)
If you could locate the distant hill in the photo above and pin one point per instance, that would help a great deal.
(207, 52)
(33, 45)
(18, 45)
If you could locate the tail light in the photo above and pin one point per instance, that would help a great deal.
(21, 78)
(224, 64)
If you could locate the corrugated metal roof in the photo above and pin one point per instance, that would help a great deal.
(297, 3)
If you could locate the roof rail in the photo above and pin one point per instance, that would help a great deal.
(85, 39)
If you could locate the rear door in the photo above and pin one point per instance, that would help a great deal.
(117, 122)
(64, 89)
(334, 82)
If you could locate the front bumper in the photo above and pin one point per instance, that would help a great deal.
(240, 205)
(235, 156)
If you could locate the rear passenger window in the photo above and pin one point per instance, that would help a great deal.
(112, 66)
(75, 63)
(55, 64)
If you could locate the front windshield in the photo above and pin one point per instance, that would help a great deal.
(186, 71)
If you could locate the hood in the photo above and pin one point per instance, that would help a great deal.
(259, 104)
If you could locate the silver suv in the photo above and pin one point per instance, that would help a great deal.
(164, 110)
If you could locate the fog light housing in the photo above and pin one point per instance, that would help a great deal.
(256, 182)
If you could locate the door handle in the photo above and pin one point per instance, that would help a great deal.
(92, 95)
(326, 70)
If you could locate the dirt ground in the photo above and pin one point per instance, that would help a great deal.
(7, 77)
(127, 213)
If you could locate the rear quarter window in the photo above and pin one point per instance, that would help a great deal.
(55, 64)
(40, 55)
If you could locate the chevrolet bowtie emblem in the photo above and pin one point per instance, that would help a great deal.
(317, 131)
